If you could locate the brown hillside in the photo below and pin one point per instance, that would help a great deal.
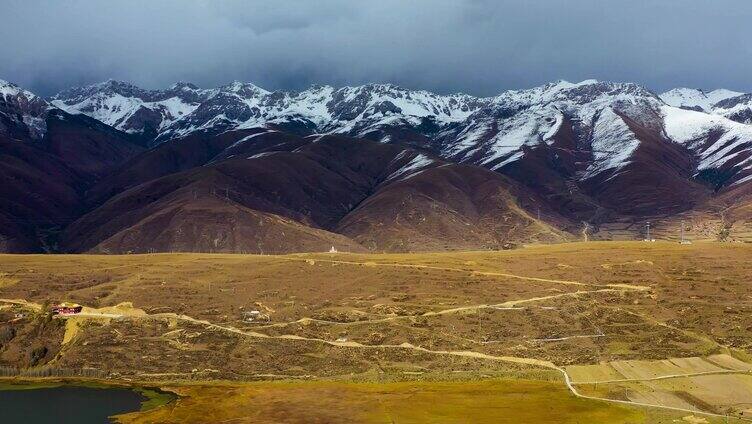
(37, 190)
(445, 208)
(296, 199)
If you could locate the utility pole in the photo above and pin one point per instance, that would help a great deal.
(682, 232)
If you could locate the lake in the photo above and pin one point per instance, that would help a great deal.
(66, 404)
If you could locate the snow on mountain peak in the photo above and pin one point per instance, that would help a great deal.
(8, 89)
(130, 108)
(731, 104)
(22, 110)
(584, 92)
(693, 129)
(720, 94)
(696, 99)
(183, 85)
(184, 108)
(244, 89)
(609, 125)
(115, 85)
(493, 132)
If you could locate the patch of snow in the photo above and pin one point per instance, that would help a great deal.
(613, 144)
(743, 180)
(417, 163)
(262, 154)
(250, 137)
(176, 107)
(555, 127)
(513, 157)
(468, 139)
(528, 128)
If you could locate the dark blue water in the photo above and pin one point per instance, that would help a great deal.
(66, 404)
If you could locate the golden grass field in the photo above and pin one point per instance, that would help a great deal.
(439, 337)
(491, 401)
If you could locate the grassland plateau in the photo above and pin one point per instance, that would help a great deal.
(578, 332)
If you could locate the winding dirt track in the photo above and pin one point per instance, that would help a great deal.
(464, 353)
(574, 391)
(661, 377)
(511, 304)
(472, 272)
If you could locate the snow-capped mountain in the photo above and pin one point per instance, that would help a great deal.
(610, 120)
(499, 133)
(596, 152)
(132, 109)
(737, 108)
(605, 124)
(497, 128)
(719, 144)
(731, 104)
(693, 98)
(22, 113)
(184, 108)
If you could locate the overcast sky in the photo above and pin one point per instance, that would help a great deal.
(480, 47)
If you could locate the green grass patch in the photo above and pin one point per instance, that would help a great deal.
(478, 402)
(154, 397)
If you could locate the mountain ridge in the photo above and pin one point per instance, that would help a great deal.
(458, 125)
(592, 156)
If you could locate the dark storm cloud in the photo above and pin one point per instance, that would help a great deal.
(477, 46)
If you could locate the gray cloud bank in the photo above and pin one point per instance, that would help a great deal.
(477, 46)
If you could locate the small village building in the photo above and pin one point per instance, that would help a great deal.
(254, 316)
(66, 309)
